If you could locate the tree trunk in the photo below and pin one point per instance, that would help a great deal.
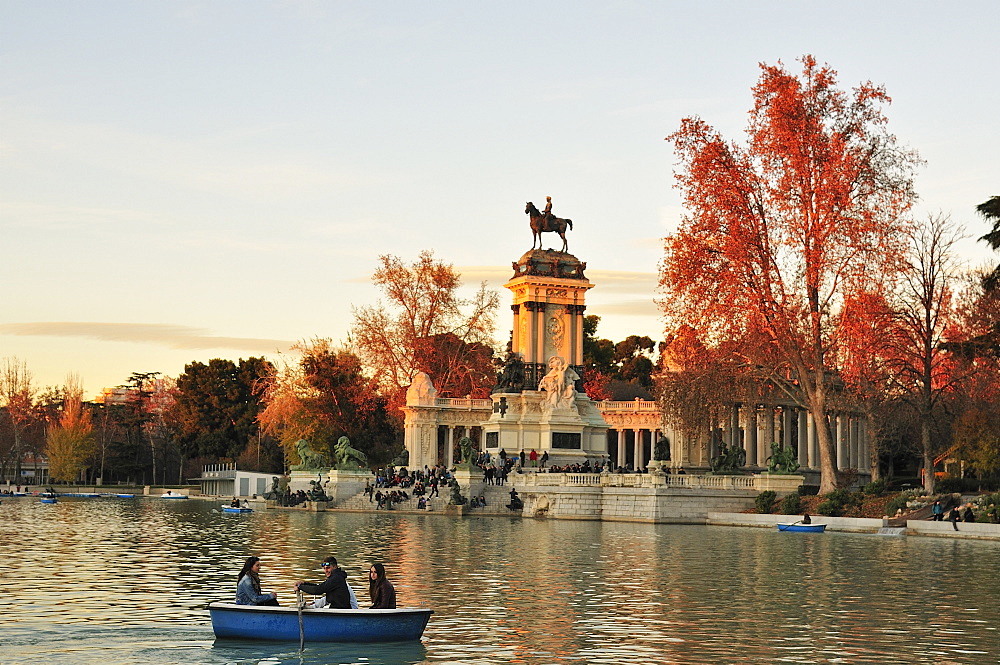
(873, 451)
(925, 444)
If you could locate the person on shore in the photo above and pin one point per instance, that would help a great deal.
(954, 517)
(522, 457)
(381, 592)
(248, 585)
(338, 596)
(545, 458)
(533, 457)
(968, 515)
(515, 501)
(937, 512)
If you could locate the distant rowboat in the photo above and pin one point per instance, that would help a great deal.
(50, 500)
(808, 528)
(262, 622)
(173, 495)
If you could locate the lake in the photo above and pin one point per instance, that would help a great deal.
(127, 580)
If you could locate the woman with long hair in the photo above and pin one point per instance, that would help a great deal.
(381, 592)
(248, 585)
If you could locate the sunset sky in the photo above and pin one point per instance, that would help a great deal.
(183, 181)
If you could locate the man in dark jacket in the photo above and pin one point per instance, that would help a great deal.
(334, 586)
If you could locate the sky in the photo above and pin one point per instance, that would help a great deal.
(181, 181)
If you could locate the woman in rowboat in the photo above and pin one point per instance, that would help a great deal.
(382, 593)
(248, 585)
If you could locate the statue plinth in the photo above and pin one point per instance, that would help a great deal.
(343, 484)
(301, 480)
(780, 483)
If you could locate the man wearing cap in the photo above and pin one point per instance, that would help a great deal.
(334, 586)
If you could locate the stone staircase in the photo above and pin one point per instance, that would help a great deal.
(497, 498)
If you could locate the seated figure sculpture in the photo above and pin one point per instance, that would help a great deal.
(560, 384)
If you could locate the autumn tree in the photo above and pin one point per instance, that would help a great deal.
(425, 326)
(70, 442)
(923, 368)
(323, 396)
(19, 411)
(778, 229)
(867, 358)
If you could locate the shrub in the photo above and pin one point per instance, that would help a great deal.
(874, 488)
(895, 503)
(765, 501)
(839, 496)
(830, 508)
(791, 504)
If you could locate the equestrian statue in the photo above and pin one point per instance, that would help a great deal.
(544, 222)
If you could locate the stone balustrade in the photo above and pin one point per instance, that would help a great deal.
(757, 482)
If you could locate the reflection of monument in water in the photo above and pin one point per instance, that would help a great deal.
(539, 401)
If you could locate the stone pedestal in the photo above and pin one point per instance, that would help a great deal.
(345, 484)
(301, 480)
(470, 480)
(779, 483)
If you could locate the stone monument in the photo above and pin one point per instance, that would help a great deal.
(539, 401)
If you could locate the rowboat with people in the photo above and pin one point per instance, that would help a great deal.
(261, 622)
(805, 528)
(173, 495)
(226, 508)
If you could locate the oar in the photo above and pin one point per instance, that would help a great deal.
(302, 632)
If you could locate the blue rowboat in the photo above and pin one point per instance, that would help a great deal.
(125, 496)
(809, 528)
(50, 500)
(261, 622)
(230, 509)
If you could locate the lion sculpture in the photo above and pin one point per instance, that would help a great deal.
(782, 460)
(348, 457)
(309, 459)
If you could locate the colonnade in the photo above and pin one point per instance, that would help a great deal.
(632, 447)
(754, 427)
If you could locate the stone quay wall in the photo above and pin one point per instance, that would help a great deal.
(629, 497)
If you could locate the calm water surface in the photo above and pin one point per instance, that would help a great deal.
(127, 580)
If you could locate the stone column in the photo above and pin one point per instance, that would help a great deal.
(852, 438)
(449, 447)
(769, 432)
(786, 426)
(864, 445)
(812, 439)
(803, 443)
(841, 438)
(752, 434)
(761, 454)
(637, 454)
(621, 447)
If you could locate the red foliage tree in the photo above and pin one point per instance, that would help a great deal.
(778, 229)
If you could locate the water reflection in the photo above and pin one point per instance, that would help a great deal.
(127, 580)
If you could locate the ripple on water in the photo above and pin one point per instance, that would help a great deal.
(504, 590)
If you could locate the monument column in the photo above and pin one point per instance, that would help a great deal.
(752, 434)
(621, 448)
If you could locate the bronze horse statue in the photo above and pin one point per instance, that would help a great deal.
(544, 223)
